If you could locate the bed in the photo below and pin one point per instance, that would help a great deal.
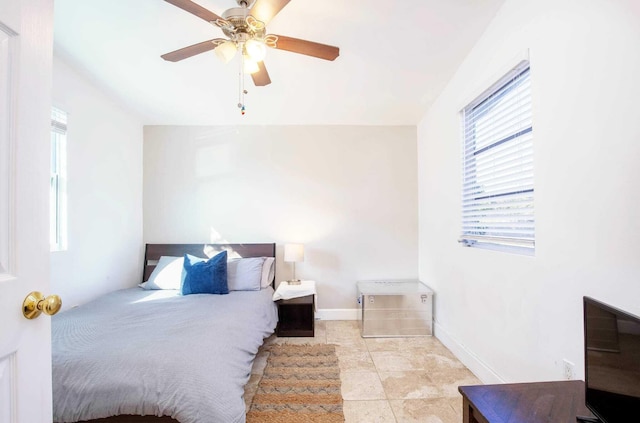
(141, 355)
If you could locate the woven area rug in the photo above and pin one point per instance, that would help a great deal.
(301, 383)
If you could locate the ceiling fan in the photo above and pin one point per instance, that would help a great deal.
(245, 28)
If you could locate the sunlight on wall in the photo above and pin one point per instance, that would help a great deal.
(215, 237)
(211, 251)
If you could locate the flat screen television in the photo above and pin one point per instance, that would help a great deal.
(612, 362)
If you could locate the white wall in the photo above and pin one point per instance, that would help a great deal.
(104, 155)
(515, 318)
(349, 193)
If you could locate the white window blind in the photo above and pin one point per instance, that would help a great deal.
(58, 185)
(498, 190)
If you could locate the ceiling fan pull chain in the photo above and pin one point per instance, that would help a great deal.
(241, 90)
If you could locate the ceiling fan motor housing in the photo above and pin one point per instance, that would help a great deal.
(239, 28)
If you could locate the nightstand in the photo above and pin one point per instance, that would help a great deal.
(296, 308)
(296, 316)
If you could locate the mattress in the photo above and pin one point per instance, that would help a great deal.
(144, 352)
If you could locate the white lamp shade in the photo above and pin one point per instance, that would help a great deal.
(226, 51)
(293, 252)
(250, 66)
(255, 49)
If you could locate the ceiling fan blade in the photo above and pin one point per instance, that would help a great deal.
(195, 9)
(261, 78)
(296, 45)
(186, 52)
(265, 10)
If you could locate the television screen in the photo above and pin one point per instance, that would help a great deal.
(612, 361)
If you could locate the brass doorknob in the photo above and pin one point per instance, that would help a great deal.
(36, 303)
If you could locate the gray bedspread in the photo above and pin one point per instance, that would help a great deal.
(158, 353)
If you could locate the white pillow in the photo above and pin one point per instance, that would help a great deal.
(245, 274)
(268, 272)
(166, 275)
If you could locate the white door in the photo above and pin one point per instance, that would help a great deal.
(26, 43)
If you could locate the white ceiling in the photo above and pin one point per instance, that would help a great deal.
(395, 57)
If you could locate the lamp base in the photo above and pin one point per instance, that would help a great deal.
(294, 282)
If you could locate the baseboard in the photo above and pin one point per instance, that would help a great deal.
(467, 357)
(337, 314)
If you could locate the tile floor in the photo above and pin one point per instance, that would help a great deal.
(387, 380)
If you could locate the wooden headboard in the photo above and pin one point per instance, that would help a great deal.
(153, 252)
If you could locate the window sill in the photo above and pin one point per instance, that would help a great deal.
(509, 249)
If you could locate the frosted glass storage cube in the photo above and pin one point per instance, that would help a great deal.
(395, 308)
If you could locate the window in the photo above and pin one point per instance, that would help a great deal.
(497, 191)
(58, 188)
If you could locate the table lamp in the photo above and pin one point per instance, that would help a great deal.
(293, 253)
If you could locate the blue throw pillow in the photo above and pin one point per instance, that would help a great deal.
(205, 277)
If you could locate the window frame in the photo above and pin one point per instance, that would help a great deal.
(503, 218)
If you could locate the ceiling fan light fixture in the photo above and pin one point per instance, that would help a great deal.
(226, 51)
(249, 65)
(255, 49)
(245, 28)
